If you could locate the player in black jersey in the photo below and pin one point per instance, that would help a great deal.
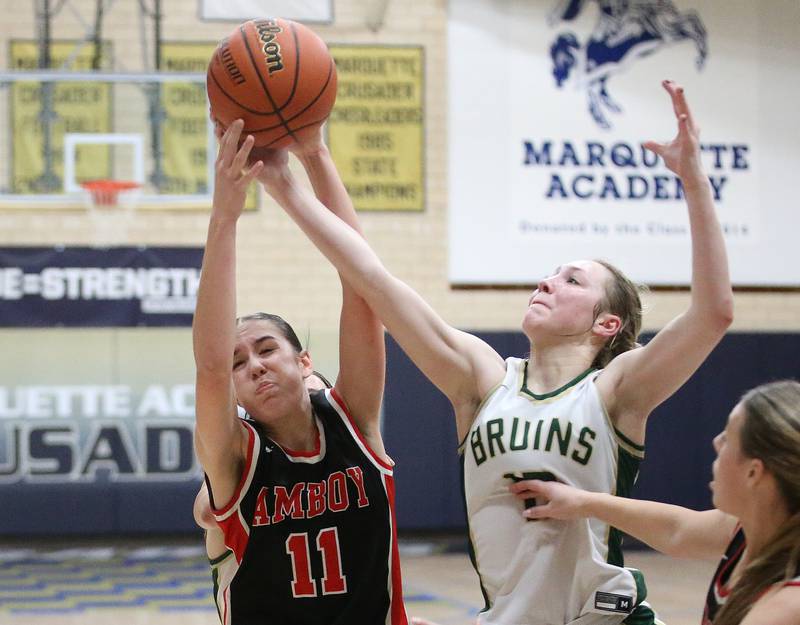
(754, 528)
(204, 515)
(302, 489)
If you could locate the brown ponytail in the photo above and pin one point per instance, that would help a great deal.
(621, 299)
(771, 433)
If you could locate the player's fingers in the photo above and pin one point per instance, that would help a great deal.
(241, 156)
(230, 140)
(686, 131)
(223, 143)
(537, 512)
(679, 103)
(252, 172)
(528, 487)
(683, 105)
(219, 130)
(655, 147)
(672, 89)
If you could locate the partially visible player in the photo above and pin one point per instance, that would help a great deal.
(754, 528)
(575, 410)
(302, 490)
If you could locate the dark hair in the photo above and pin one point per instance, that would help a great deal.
(621, 299)
(286, 330)
(771, 433)
(322, 379)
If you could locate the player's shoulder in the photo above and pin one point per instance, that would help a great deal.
(779, 606)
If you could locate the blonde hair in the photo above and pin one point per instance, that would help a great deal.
(771, 433)
(621, 299)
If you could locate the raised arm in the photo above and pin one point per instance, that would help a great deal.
(673, 530)
(637, 381)
(362, 351)
(462, 366)
(219, 439)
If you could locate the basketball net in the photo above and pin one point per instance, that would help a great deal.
(111, 205)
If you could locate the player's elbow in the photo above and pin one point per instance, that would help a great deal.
(722, 311)
(715, 316)
(725, 313)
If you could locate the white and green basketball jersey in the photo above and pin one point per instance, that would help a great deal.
(548, 572)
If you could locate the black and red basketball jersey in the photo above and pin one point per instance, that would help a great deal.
(719, 590)
(312, 534)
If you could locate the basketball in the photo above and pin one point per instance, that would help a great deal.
(277, 76)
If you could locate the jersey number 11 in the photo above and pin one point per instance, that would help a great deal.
(333, 581)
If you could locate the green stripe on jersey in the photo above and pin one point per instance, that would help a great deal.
(627, 470)
(215, 561)
(629, 442)
(470, 545)
(558, 391)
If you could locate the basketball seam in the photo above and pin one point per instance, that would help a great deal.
(235, 101)
(261, 80)
(283, 136)
(309, 105)
(296, 68)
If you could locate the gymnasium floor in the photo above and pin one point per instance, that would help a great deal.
(146, 584)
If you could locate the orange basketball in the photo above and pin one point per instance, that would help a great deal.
(276, 75)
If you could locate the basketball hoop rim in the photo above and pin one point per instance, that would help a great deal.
(110, 185)
(106, 192)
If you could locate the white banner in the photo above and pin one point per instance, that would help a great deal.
(319, 11)
(551, 101)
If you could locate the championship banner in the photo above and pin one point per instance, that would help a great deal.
(319, 11)
(96, 430)
(551, 102)
(375, 130)
(76, 107)
(185, 130)
(79, 432)
(90, 287)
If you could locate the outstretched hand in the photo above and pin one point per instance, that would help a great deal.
(555, 500)
(232, 173)
(682, 154)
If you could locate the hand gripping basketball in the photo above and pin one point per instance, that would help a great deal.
(277, 76)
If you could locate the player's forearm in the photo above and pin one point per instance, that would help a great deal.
(340, 244)
(711, 284)
(213, 326)
(328, 186)
(657, 524)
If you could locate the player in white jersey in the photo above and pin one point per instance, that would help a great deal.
(584, 316)
(754, 530)
(563, 436)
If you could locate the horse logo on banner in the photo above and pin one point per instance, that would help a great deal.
(626, 30)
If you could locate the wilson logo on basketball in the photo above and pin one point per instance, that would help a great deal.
(230, 65)
(267, 31)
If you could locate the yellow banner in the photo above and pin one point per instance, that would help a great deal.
(185, 130)
(376, 132)
(75, 107)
